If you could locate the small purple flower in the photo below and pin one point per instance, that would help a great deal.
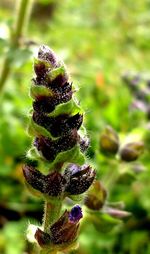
(75, 214)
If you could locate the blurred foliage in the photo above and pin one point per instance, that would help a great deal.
(99, 41)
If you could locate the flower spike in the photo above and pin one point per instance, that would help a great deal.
(59, 142)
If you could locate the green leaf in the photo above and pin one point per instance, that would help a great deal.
(70, 107)
(56, 72)
(40, 90)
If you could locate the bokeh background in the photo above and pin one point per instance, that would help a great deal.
(99, 41)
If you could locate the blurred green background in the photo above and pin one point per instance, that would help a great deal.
(98, 41)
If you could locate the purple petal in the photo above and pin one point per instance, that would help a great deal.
(75, 214)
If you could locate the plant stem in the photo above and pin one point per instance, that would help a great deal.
(51, 213)
(22, 17)
(22, 20)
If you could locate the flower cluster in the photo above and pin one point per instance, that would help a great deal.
(74, 181)
(60, 142)
(64, 230)
(56, 116)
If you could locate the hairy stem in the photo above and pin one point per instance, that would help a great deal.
(22, 17)
(51, 213)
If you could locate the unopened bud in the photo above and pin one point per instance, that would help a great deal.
(63, 232)
(109, 141)
(96, 196)
(131, 151)
(79, 179)
(46, 54)
(52, 184)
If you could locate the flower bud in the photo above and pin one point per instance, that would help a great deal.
(79, 179)
(52, 184)
(51, 148)
(131, 151)
(63, 231)
(96, 196)
(56, 116)
(75, 214)
(59, 125)
(46, 54)
(109, 141)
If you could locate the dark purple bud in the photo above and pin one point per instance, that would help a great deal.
(63, 231)
(42, 237)
(66, 228)
(40, 69)
(59, 125)
(55, 184)
(79, 179)
(74, 122)
(49, 69)
(46, 61)
(59, 81)
(45, 104)
(63, 124)
(52, 184)
(34, 177)
(47, 54)
(75, 214)
(50, 148)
